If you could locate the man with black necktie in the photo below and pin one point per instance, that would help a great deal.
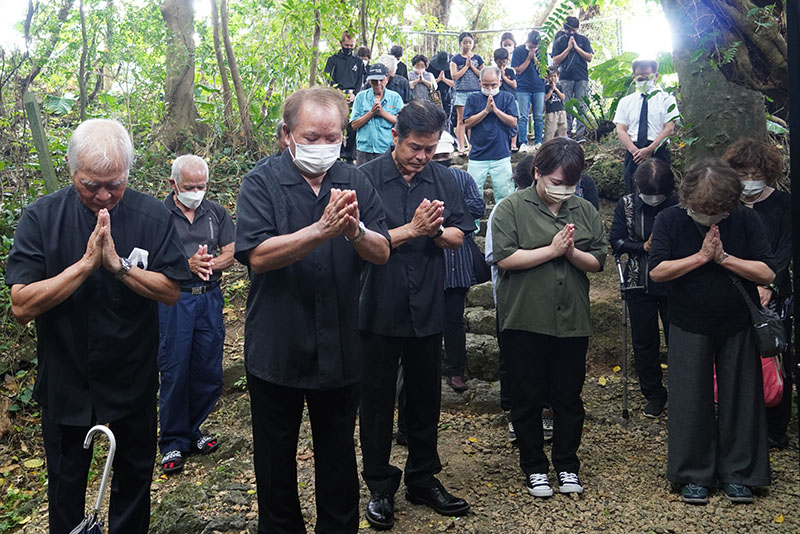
(645, 120)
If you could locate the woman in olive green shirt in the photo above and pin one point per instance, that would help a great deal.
(545, 240)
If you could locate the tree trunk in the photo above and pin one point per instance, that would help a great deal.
(241, 99)
(227, 97)
(181, 121)
(715, 111)
(363, 23)
(103, 70)
(82, 68)
(48, 48)
(312, 78)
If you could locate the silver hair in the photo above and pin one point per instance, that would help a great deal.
(100, 145)
(390, 62)
(491, 68)
(187, 160)
(279, 129)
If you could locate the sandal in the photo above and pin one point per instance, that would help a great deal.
(204, 445)
(172, 462)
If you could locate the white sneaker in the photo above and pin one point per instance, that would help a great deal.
(569, 483)
(538, 485)
(536, 146)
(523, 148)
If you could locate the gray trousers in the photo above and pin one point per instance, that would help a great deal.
(576, 89)
(731, 445)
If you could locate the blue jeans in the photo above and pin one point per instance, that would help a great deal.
(577, 90)
(524, 102)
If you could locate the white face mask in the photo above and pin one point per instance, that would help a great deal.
(652, 200)
(490, 92)
(751, 188)
(191, 199)
(559, 193)
(705, 219)
(315, 159)
(645, 86)
(509, 49)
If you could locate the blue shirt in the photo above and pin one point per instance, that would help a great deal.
(491, 138)
(529, 81)
(375, 137)
(469, 81)
(458, 270)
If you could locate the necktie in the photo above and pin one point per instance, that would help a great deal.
(641, 139)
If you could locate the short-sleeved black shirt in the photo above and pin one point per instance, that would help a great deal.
(574, 67)
(405, 297)
(776, 214)
(97, 349)
(302, 320)
(212, 226)
(705, 301)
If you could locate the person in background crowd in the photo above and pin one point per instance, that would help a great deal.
(648, 116)
(492, 117)
(555, 115)
(759, 167)
(465, 69)
(398, 84)
(587, 189)
(97, 321)
(192, 332)
(364, 54)
(699, 247)
(346, 73)
(397, 52)
(509, 82)
(402, 315)
(508, 43)
(280, 140)
(530, 90)
(440, 68)
(305, 225)
(544, 241)
(421, 82)
(631, 234)
(459, 274)
(572, 53)
(374, 114)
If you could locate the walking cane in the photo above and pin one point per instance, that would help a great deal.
(622, 293)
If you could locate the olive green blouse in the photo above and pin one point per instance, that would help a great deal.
(551, 298)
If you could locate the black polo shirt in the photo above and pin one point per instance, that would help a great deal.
(405, 297)
(302, 320)
(97, 349)
(212, 226)
(346, 72)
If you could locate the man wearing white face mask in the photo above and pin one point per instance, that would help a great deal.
(192, 331)
(645, 119)
(492, 117)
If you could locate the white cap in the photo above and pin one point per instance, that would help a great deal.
(446, 143)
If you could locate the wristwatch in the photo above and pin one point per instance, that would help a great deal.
(125, 267)
(439, 232)
(723, 258)
(362, 231)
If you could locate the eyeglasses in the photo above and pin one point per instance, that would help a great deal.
(755, 175)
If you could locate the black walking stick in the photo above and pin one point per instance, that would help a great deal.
(622, 293)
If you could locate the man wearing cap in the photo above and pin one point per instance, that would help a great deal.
(374, 114)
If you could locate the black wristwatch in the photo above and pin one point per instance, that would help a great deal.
(125, 267)
(439, 232)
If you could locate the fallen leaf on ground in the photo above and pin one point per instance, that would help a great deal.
(472, 439)
(33, 463)
(778, 518)
(616, 368)
(602, 381)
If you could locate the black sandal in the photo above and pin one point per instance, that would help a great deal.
(204, 445)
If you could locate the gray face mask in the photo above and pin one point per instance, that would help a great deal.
(705, 219)
(652, 200)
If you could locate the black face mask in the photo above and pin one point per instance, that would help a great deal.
(347, 51)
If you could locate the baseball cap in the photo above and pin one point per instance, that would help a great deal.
(377, 72)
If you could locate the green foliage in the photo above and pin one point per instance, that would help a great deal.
(608, 173)
(551, 26)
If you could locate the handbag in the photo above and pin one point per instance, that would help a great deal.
(772, 378)
(481, 269)
(770, 336)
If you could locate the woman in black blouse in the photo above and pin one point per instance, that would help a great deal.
(759, 167)
(699, 246)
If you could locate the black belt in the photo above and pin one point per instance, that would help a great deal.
(199, 290)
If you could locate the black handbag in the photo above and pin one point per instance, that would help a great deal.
(483, 273)
(770, 336)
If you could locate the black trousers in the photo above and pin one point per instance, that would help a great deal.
(727, 446)
(277, 412)
(505, 387)
(422, 376)
(455, 334)
(646, 339)
(540, 366)
(68, 468)
(630, 166)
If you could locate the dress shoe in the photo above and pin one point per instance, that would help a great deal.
(439, 499)
(380, 511)
(457, 383)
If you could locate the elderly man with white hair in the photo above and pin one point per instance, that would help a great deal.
(192, 331)
(398, 84)
(89, 263)
(492, 117)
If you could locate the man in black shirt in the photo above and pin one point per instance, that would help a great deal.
(572, 53)
(402, 314)
(347, 73)
(396, 83)
(96, 320)
(305, 225)
(397, 52)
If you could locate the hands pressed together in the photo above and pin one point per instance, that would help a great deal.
(202, 263)
(712, 250)
(563, 243)
(340, 216)
(428, 218)
(100, 249)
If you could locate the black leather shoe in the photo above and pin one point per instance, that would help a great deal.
(380, 511)
(439, 499)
